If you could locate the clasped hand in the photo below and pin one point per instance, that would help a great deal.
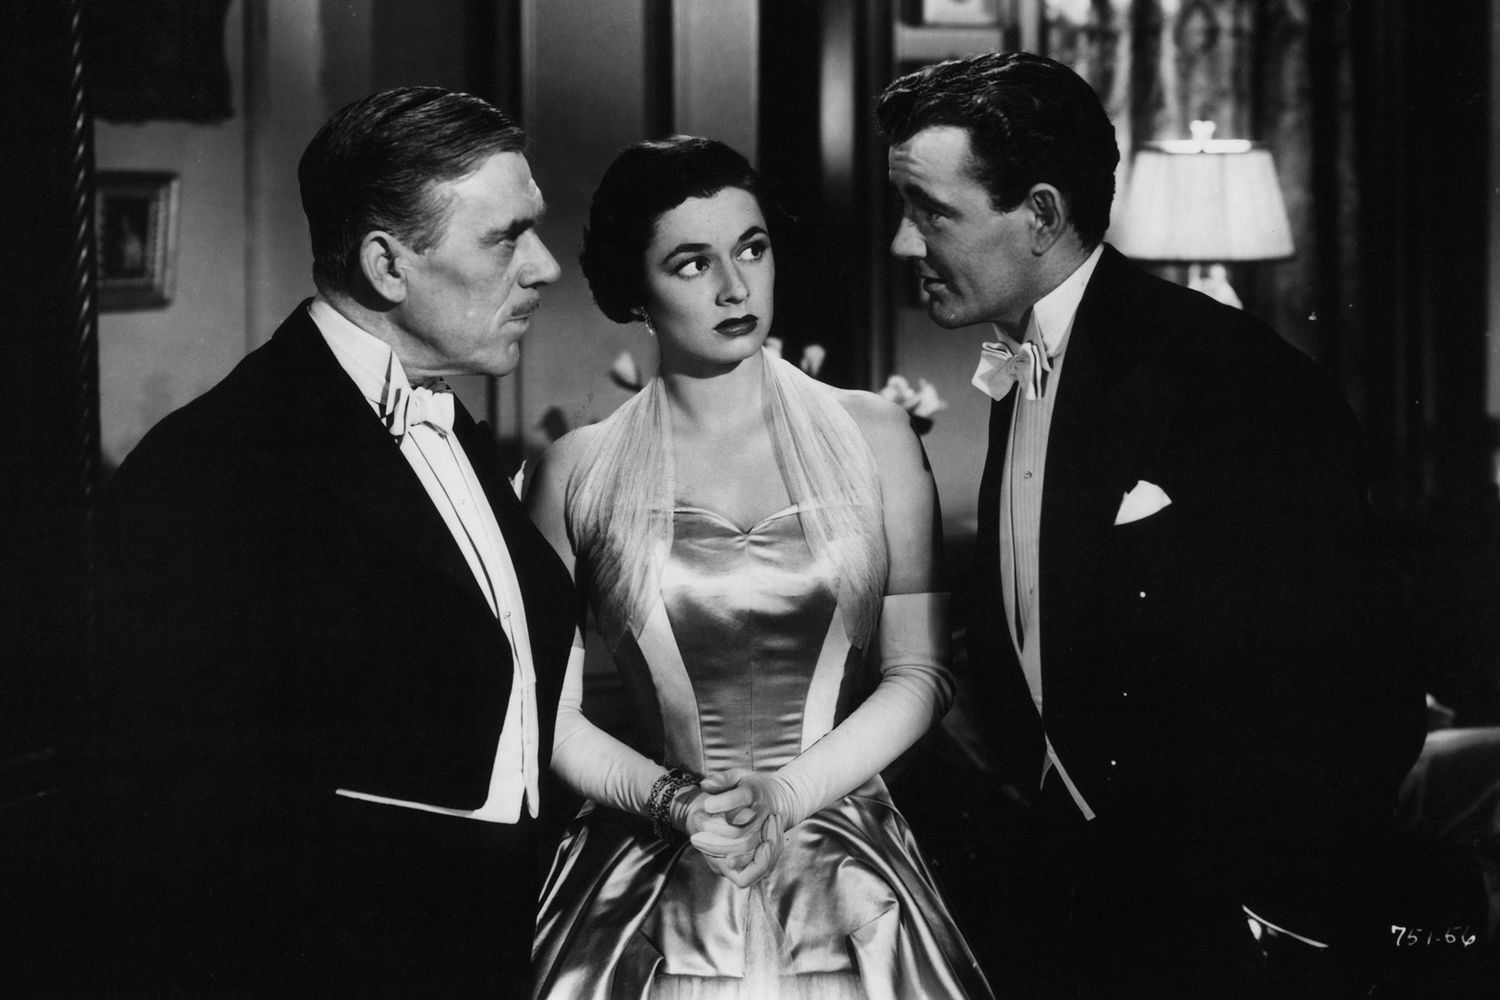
(736, 820)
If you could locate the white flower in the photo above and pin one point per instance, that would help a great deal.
(773, 346)
(626, 373)
(920, 403)
(813, 356)
(897, 390)
(927, 401)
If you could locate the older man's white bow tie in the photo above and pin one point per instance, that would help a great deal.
(405, 408)
(1001, 366)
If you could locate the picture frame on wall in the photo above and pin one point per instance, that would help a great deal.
(960, 12)
(135, 226)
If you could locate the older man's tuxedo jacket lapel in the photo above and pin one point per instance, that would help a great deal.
(543, 589)
(358, 460)
(289, 616)
(345, 546)
(360, 465)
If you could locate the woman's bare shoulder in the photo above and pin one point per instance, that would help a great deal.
(562, 457)
(884, 424)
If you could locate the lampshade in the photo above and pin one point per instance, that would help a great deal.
(1200, 200)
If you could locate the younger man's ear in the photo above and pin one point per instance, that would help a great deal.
(382, 262)
(1049, 217)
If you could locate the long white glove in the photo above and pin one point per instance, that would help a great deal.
(601, 768)
(590, 761)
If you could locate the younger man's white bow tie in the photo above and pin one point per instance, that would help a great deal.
(1001, 366)
(409, 407)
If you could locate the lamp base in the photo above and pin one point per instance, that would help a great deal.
(1213, 280)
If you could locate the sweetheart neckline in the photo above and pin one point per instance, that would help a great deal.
(729, 522)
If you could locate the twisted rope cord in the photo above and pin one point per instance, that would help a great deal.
(84, 305)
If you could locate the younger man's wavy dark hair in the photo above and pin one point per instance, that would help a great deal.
(1030, 120)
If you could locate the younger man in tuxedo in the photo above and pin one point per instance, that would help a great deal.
(337, 642)
(1178, 613)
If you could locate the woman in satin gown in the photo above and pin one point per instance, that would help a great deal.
(758, 550)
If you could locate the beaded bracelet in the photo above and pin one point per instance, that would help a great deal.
(659, 802)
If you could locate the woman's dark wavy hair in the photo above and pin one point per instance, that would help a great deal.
(645, 181)
(375, 164)
(1030, 120)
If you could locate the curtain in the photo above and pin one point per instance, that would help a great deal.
(1242, 64)
(1374, 113)
(1378, 118)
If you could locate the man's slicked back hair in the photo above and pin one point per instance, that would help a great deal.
(375, 164)
(1030, 121)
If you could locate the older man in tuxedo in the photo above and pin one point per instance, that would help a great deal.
(337, 642)
(1178, 607)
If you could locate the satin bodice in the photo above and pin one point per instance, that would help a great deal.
(748, 659)
(744, 661)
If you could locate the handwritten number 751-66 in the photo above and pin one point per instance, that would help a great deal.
(1414, 937)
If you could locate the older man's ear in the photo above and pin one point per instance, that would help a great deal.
(382, 264)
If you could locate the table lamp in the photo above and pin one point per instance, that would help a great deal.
(1203, 202)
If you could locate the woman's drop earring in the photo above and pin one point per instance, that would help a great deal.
(646, 318)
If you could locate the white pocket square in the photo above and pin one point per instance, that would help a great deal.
(1143, 500)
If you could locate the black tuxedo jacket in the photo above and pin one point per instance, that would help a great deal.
(289, 615)
(1223, 666)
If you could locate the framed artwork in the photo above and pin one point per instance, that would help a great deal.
(135, 224)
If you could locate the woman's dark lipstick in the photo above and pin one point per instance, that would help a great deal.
(738, 326)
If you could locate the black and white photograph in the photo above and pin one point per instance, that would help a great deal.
(750, 499)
